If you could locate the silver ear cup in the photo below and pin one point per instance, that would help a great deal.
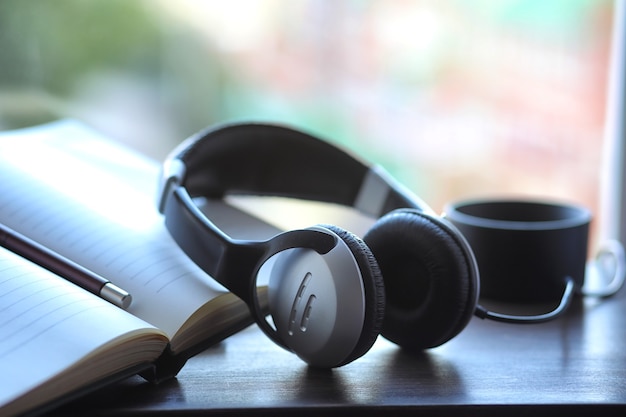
(317, 303)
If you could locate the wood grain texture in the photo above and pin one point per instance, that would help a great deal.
(575, 365)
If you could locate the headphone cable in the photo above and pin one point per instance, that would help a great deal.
(566, 300)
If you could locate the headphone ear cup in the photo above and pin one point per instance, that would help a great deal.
(374, 291)
(431, 279)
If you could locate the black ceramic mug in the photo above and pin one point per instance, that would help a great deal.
(525, 250)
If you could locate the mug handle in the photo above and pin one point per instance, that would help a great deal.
(609, 262)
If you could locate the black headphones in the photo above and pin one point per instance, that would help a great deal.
(326, 299)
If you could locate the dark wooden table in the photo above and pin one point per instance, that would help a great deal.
(574, 365)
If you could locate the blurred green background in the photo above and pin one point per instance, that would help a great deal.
(456, 98)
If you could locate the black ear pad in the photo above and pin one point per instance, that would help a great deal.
(374, 291)
(431, 279)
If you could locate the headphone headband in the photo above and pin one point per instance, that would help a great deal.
(273, 160)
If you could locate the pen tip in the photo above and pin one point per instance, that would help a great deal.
(116, 295)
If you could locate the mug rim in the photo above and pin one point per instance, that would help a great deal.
(540, 214)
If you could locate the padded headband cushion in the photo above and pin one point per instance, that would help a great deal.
(263, 159)
(430, 279)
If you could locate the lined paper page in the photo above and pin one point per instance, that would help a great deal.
(94, 202)
(47, 324)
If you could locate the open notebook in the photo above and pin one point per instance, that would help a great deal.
(92, 201)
